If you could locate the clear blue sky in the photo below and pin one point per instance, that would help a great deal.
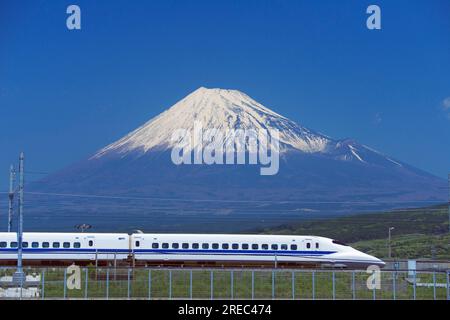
(64, 94)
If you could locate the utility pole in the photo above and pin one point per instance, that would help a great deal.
(389, 241)
(12, 176)
(19, 276)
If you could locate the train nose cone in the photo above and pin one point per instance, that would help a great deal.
(379, 262)
(371, 260)
(375, 261)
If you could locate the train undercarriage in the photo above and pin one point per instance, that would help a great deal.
(135, 263)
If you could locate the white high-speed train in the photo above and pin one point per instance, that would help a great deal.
(182, 249)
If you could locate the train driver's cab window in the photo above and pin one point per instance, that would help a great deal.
(339, 243)
(317, 245)
(45, 245)
(225, 246)
(255, 246)
(185, 245)
(235, 246)
(274, 247)
(24, 244)
(215, 246)
(283, 247)
(14, 244)
(245, 246)
(308, 245)
(55, 244)
(77, 245)
(91, 243)
(265, 246)
(138, 243)
(205, 245)
(195, 246)
(155, 245)
(3, 244)
(66, 245)
(35, 244)
(175, 245)
(165, 245)
(293, 247)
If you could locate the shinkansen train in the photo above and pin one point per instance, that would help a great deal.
(182, 250)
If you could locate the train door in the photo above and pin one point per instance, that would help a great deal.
(90, 245)
(89, 242)
(137, 243)
(307, 244)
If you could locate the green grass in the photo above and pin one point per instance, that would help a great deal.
(240, 288)
(409, 246)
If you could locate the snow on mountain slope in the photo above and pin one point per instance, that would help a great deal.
(219, 109)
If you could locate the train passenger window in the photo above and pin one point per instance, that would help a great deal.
(225, 246)
(165, 245)
(284, 247)
(293, 247)
(24, 244)
(55, 244)
(245, 246)
(317, 245)
(66, 244)
(3, 244)
(185, 245)
(77, 245)
(91, 243)
(137, 243)
(235, 246)
(255, 246)
(175, 245)
(265, 246)
(308, 245)
(45, 244)
(155, 245)
(13, 244)
(205, 245)
(35, 244)
(274, 247)
(215, 246)
(195, 246)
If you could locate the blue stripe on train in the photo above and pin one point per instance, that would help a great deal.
(260, 252)
(169, 251)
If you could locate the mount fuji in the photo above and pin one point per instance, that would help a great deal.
(317, 174)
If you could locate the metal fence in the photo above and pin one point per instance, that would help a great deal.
(166, 283)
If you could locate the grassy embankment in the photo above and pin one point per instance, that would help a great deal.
(418, 233)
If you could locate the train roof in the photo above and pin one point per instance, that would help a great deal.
(77, 234)
(163, 235)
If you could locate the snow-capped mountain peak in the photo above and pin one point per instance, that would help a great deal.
(225, 110)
